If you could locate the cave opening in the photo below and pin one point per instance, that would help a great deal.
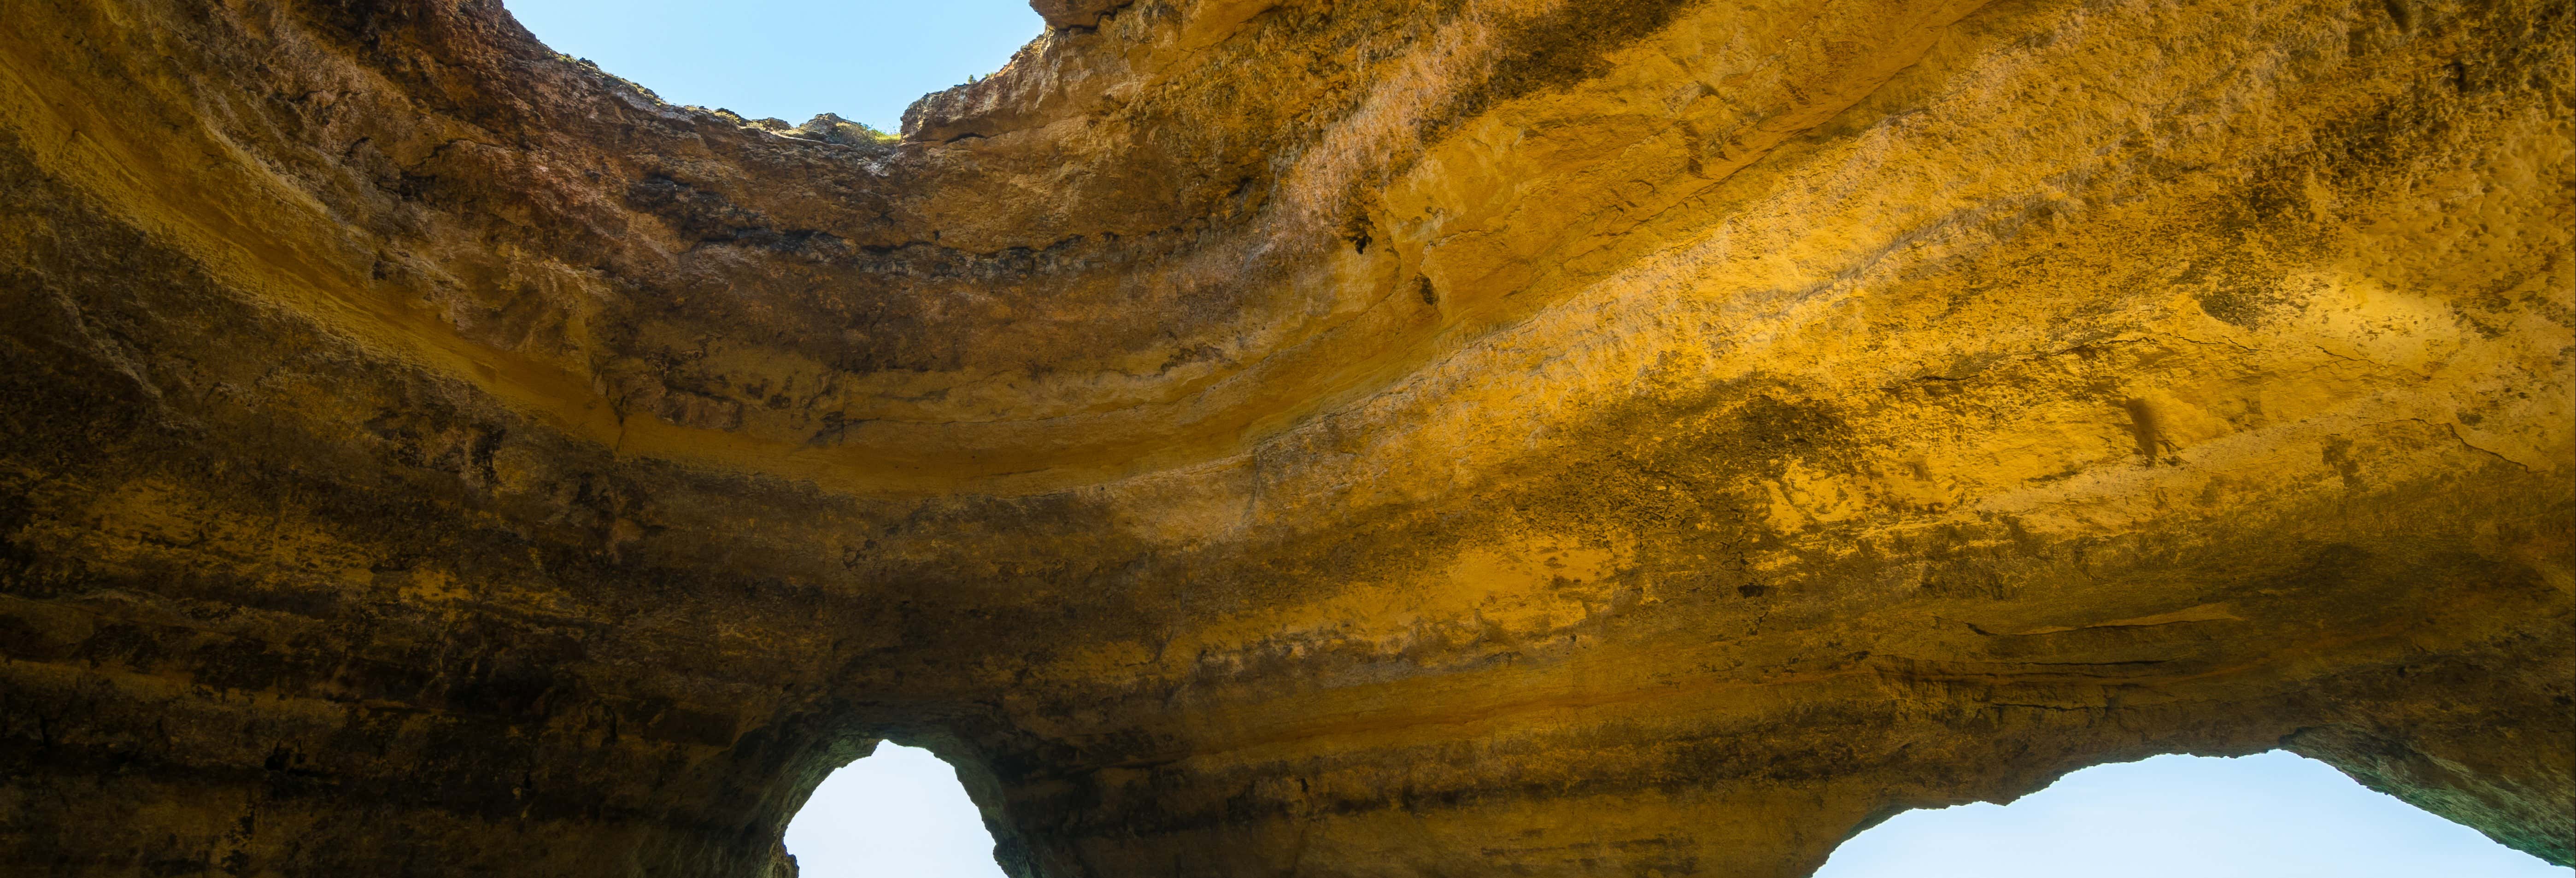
(788, 59)
(2271, 815)
(900, 811)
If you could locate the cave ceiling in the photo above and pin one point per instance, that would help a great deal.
(1277, 437)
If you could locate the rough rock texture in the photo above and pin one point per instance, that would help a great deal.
(1061, 14)
(1277, 437)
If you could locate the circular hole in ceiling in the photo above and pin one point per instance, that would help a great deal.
(865, 60)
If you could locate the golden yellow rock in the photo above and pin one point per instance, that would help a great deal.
(1250, 437)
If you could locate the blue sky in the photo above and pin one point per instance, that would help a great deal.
(902, 812)
(898, 814)
(863, 59)
(2274, 815)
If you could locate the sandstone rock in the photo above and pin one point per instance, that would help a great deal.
(1075, 13)
(1367, 438)
(831, 128)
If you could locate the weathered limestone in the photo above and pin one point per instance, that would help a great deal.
(1362, 438)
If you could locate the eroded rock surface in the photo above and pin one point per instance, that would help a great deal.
(1252, 438)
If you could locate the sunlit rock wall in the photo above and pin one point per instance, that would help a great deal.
(1253, 438)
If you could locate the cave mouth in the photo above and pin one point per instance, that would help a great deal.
(900, 811)
(788, 59)
(2271, 815)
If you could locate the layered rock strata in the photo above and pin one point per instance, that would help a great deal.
(1260, 437)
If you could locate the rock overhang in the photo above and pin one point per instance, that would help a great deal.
(1259, 437)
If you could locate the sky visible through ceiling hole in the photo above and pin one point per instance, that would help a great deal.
(790, 59)
(903, 813)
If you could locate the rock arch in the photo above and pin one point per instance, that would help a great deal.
(1317, 438)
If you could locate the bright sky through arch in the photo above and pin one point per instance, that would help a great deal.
(863, 59)
(898, 814)
(2273, 815)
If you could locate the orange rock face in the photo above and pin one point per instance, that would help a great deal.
(1254, 438)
